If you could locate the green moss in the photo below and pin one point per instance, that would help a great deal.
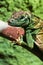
(16, 55)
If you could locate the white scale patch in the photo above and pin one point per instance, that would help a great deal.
(3, 25)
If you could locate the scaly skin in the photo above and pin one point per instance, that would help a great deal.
(38, 23)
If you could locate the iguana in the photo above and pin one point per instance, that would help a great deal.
(31, 22)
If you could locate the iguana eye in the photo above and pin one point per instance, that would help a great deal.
(11, 20)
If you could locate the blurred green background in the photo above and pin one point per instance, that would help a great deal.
(16, 55)
(9, 6)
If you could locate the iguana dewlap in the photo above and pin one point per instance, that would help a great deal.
(13, 32)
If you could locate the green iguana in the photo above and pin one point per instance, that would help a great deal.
(33, 26)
